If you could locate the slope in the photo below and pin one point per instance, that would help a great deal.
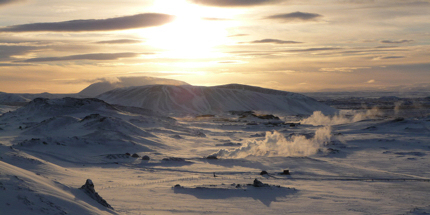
(214, 100)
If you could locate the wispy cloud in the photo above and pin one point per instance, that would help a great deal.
(277, 52)
(238, 35)
(312, 49)
(275, 41)
(396, 41)
(233, 3)
(7, 51)
(232, 62)
(4, 2)
(11, 64)
(296, 16)
(111, 24)
(342, 69)
(120, 41)
(392, 57)
(215, 19)
(94, 56)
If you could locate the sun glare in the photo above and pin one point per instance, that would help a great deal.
(190, 35)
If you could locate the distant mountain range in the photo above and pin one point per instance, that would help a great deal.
(187, 99)
(167, 96)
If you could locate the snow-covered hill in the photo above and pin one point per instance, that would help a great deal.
(214, 100)
(12, 99)
(29, 193)
(104, 86)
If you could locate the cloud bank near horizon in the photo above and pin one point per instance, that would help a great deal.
(234, 3)
(143, 20)
(296, 16)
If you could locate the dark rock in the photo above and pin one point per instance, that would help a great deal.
(212, 157)
(266, 116)
(399, 119)
(285, 172)
(173, 159)
(258, 183)
(205, 116)
(135, 155)
(88, 188)
(333, 151)
(264, 172)
(128, 154)
(146, 158)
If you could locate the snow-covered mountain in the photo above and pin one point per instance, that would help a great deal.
(12, 99)
(214, 100)
(107, 85)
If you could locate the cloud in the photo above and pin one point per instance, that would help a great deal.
(111, 24)
(396, 41)
(94, 56)
(7, 51)
(371, 81)
(4, 2)
(233, 3)
(342, 69)
(215, 19)
(232, 62)
(121, 41)
(11, 64)
(272, 53)
(238, 35)
(296, 16)
(275, 41)
(392, 57)
(312, 49)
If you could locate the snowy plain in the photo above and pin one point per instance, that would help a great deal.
(366, 160)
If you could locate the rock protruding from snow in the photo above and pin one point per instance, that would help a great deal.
(103, 86)
(258, 183)
(88, 187)
(214, 100)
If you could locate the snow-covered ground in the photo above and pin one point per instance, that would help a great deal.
(368, 161)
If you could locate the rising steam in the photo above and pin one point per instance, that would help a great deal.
(276, 144)
(343, 117)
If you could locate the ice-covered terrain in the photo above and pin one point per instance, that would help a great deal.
(214, 100)
(357, 161)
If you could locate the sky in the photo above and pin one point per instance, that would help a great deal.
(62, 46)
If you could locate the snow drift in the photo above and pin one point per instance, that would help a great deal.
(214, 100)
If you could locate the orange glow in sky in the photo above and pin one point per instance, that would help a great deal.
(63, 46)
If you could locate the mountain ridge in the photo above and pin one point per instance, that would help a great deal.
(213, 100)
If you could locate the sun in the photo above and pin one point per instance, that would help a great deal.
(189, 35)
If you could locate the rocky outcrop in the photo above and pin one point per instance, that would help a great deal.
(88, 188)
